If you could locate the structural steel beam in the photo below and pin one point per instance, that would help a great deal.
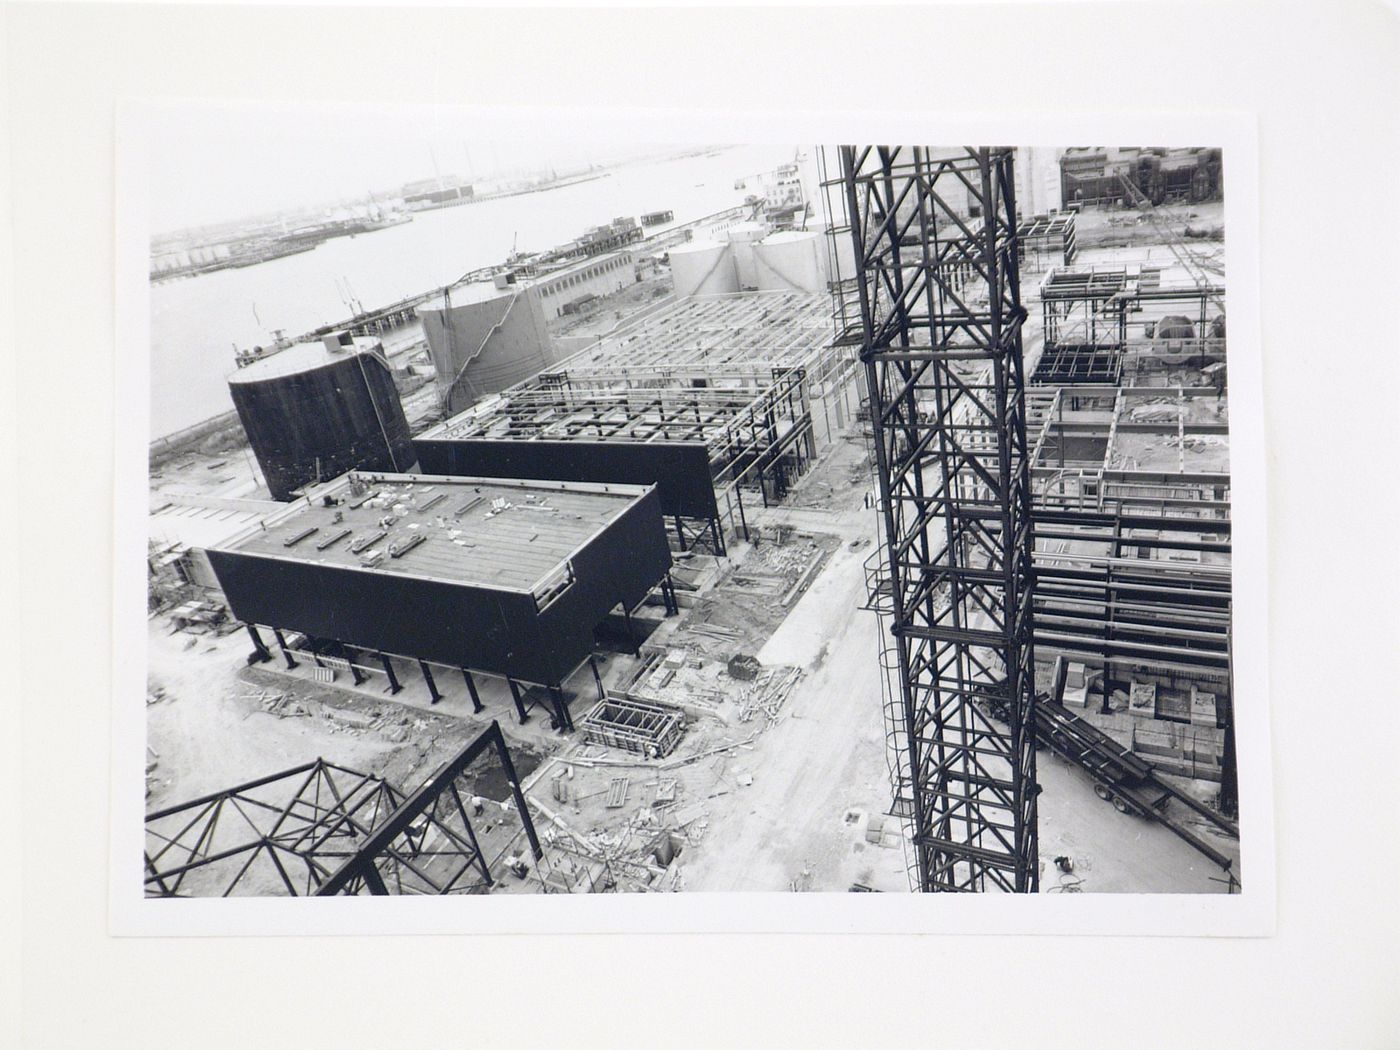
(321, 829)
(940, 316)
(398, 851)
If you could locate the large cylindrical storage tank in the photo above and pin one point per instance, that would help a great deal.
(743, 237)
(316, 410)
(703, 268)
(792, 261)
(483, 339)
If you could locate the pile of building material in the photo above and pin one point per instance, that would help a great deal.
(703, 685)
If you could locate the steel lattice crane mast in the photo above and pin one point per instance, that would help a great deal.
(939, 331)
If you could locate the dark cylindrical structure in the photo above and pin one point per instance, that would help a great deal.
(316, 410)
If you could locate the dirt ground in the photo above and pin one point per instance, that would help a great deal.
(212, 730)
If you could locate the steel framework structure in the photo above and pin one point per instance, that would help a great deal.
(320, 829)
(940, 317)
(756, 425)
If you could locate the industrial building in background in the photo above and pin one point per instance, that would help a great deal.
(316, 410)
(1095, 176)
(486, 335)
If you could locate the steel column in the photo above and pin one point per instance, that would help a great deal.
(394, 687)
(471, 688)
(519, 700)
(597, 678)
(282, 644)
(432, 685)
(260, 651)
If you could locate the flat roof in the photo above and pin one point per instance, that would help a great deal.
(484, 290)
(299, 357)
(482, 532)
(203, 521)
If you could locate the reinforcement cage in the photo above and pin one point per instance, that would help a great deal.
(631, 725)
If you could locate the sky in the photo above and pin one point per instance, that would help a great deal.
(215, 165)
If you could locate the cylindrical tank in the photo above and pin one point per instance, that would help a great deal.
(703, 268)
(483, 339)
(316, 410)
(1174, 327)
(792, 261)
(743, 237)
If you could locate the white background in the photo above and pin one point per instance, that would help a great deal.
(1323, 81)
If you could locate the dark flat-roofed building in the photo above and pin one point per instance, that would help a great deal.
(717, 401)
(508, 578)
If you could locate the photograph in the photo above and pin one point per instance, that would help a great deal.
(669, 525)
(564, 516)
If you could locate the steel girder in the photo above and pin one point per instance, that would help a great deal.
(428, 845)
(320, 829)
(934, 236)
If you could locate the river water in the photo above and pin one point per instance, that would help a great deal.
(196, 322)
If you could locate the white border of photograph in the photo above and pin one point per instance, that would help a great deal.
(1249, 913)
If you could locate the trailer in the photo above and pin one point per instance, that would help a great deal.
(1124, 780)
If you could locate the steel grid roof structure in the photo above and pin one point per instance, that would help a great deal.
(1046, 225)
(567, 407)
(744, 333)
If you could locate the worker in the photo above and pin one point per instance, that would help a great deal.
(478, 805)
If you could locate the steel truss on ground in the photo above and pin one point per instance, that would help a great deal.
(320, 829)
(939, 314)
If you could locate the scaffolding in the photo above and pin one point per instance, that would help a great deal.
(935, 307)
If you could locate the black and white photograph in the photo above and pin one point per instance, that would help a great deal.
(546, 516)
(851, 525)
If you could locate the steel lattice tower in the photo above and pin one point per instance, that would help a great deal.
(939, 330)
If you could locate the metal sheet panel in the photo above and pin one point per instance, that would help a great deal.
(679, 470)
(320, 423)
